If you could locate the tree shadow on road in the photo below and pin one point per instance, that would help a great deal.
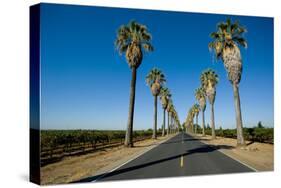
(124, 169)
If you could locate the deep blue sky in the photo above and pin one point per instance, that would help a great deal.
(85, 83)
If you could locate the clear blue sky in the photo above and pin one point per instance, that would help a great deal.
(85, 83)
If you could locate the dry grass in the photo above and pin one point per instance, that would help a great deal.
(78, 167)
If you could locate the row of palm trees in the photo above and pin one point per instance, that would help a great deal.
(225, 44)
(209, 79)
(156, 81)
(134, 39)
(189, 122)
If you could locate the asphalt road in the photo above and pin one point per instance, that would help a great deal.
(182, 155)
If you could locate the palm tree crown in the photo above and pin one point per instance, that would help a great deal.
(196, 109)
(132, 39)
(226, 40)
(201, 97)
(209, 80)
(155, 79)
(165, 95)
(227, 35)
(170, 105)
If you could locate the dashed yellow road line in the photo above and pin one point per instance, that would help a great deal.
(182, 161)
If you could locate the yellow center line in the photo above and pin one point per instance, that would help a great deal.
(181, 160)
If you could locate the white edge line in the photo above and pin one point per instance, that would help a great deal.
(252, 168)
(239, 161)
(137, 156)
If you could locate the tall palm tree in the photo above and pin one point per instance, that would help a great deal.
(209, 80)
(155, 80)
(165, 95)
(196, 110)
(132, 40)
(177, 122)
(174, 114)
(201, 98)
(169, 110)
(226, 42)
(189, 120)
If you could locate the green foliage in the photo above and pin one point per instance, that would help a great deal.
(155, 75)
(207, 77)
(133, 32)
(260, 125)
(255, 134)
(51, 139)
(227, 35)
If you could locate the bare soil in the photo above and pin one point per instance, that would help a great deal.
(259, 156)
(78, 167)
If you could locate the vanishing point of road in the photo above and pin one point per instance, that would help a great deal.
(182, 155)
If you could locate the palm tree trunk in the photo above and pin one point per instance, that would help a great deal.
(168, 126)
(171, 126)
(192, 126)
(164, 121)
(154, 135)
(213, 122)
(239, 125)
(196, 124)
(129, 133)
(203, 123)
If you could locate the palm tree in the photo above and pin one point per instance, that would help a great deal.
(201, 98)
(155, 80)
(226, 42)
(165, 95)
(132, 39)
(173, 120)
(196, 110)
(209, 80)
(189, 120)
(177, 122)
(169, 110)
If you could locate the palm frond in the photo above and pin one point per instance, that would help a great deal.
(227, 34)
(155, 75)
(133, 32)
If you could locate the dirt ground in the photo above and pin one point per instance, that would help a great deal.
(78, 167)
(259, 156)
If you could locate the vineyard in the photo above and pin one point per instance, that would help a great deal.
(57, 144)
(255, 134)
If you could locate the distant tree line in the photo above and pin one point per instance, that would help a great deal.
(258, 133)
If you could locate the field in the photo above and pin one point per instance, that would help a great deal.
(57, 144)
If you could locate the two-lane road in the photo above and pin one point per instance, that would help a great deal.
(182, 155)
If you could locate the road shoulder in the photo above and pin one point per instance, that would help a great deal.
(257, 156)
